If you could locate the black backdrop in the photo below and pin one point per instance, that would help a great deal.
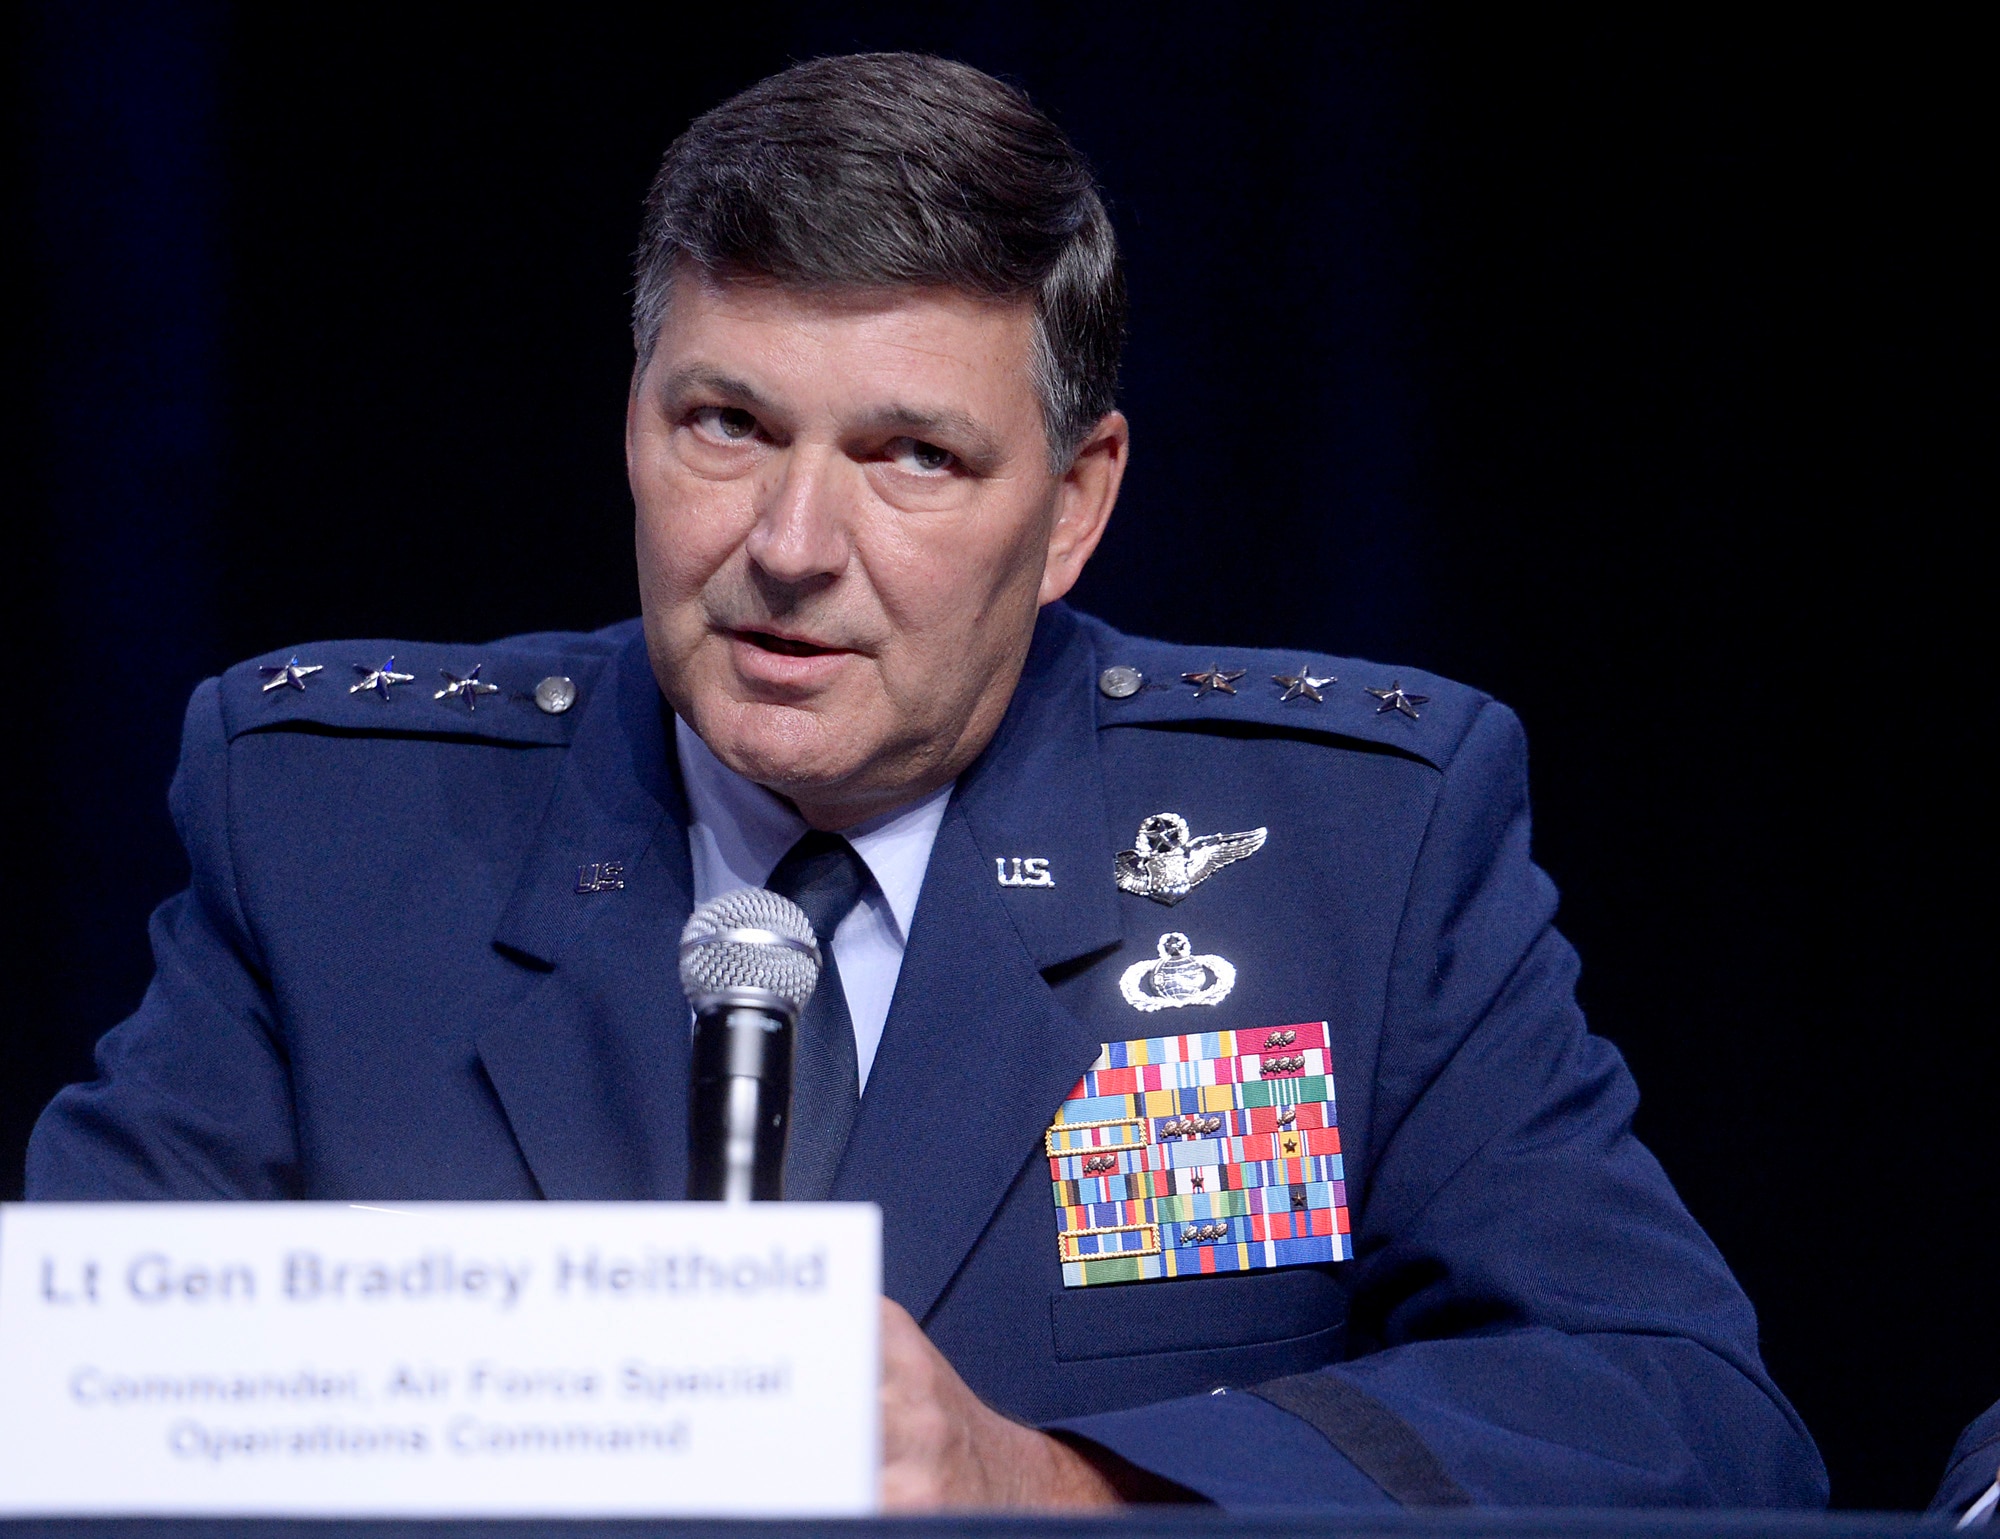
(1622, 365)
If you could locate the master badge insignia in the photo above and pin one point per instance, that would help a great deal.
(1177, 977)
(1180, 1157)
(1165, 864)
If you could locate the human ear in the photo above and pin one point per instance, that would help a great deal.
(1084, 499)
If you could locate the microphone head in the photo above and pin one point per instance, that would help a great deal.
(750, 942)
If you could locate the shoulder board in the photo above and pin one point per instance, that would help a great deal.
(524, 689)
(1405, 710)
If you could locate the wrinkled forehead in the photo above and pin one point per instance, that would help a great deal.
(701, 293)
(927, 351)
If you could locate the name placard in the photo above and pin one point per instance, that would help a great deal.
(545, 1359)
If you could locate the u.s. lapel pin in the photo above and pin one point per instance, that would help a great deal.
(1023, 871)
(601, 876)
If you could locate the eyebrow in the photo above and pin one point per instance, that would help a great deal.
(977, 445)
(700, 377)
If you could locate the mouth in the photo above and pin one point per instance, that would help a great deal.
(784, 646)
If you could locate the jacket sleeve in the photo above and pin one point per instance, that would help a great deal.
(1974, 1465)
(1534, 1317)
(192, 1098)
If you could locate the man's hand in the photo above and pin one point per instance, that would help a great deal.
(944, 1447)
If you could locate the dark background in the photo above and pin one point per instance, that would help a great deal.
(1622, 365)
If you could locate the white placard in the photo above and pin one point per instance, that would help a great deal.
(439, 1358)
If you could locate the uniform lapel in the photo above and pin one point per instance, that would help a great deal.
(977, 1053)
(590, 1062)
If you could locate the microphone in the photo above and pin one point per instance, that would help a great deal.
(749, 963)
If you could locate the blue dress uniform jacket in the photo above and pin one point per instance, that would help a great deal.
(1974, 1465)
(385, 982)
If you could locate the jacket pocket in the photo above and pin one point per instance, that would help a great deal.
(1195, 1314)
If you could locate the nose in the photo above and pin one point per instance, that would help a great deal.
(800, 536)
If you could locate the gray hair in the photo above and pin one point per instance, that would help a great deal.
(894, 170)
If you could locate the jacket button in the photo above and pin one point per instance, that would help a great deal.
(1119, 683)
(555, 694)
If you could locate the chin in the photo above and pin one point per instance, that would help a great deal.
(787, 748)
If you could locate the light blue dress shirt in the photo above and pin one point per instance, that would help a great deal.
(737, 834)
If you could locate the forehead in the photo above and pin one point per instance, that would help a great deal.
(850, 340)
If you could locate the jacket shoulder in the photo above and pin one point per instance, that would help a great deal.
(1361, 705)
(521, 689)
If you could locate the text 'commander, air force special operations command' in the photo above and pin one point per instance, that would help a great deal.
(1193, 1014)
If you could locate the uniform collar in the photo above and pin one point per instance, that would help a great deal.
(588, 1064)
(618, 803)
(977, 1051)
(1037, 793)
(592, 1070)
(738, 832)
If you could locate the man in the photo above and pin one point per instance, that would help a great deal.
(1194, 1015)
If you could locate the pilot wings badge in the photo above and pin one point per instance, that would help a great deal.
(1166, 865)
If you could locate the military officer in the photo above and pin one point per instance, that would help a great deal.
(1195, 1016)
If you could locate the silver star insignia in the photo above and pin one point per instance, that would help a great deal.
(468, 689)
(1166, 865)
(293, 673)
(1395, 699)
(1302, 685)
(379, 679)
(1213, 678)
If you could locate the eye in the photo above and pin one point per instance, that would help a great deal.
(913, 454)
(728, 424)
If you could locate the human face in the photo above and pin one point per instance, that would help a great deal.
(846, 523)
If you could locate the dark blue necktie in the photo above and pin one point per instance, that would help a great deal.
(826, 878)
